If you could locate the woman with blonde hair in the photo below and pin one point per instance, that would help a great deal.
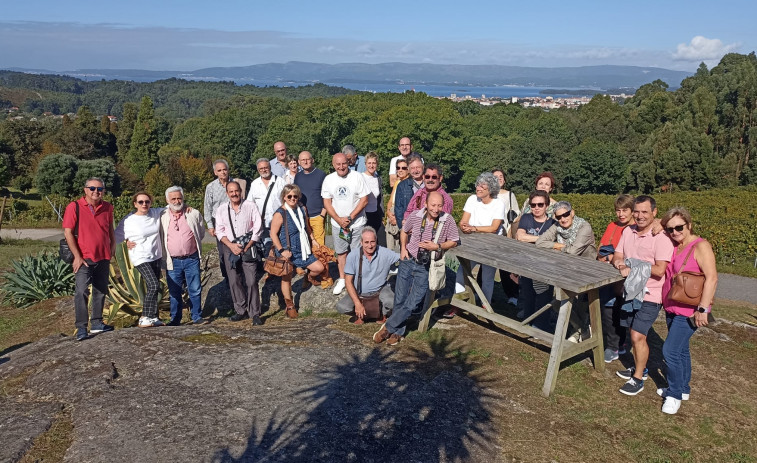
(694, 254)
(293, 240)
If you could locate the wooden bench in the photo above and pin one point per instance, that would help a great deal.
(571, 276)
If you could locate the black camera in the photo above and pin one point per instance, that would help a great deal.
(424, 256)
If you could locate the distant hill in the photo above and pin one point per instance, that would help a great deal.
(601, 77)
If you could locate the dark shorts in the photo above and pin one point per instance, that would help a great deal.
(641, 320)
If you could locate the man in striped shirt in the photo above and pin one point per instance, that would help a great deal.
(417, 240)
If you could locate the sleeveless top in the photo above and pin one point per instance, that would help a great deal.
(674, 267)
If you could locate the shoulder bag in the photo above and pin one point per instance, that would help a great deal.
(437, 270)
(370, 303)
(64, 251)
(278, 266)
(251, 254)
(686, 287)
(511, 214)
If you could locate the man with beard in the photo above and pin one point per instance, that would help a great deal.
(181, 234)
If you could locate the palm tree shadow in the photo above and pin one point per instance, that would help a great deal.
(430, 407)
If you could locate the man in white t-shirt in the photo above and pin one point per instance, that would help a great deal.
(345, 195)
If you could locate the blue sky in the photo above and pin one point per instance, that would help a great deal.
(188, 35)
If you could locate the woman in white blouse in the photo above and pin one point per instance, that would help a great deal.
(141, 231)
(373, 210)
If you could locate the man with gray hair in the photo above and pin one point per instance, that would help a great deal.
(368, 293)
(215, 194)
(181, 234)
(265, 191)
(355, 162)
(89, 232)
(278, 162)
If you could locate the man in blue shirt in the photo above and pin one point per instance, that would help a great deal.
(355, 162)
(371, 283)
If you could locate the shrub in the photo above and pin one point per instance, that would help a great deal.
(36, 278)
(55, 175)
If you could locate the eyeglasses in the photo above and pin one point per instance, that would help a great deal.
(537, 205)
(93, 188)
(401, 168)
(678, 228)
(142, 202)
(291, 197)
(431, 177)
(562, 216)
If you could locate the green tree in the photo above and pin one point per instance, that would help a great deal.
(595, 167)
(143, 151)
(126, 129)
(55, 175)
(101, 168)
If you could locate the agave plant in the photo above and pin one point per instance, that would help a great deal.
(36, 278)
(127, 286)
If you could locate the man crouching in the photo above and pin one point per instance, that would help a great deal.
(369, 295)
(419, 236)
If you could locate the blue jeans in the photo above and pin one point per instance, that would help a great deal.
(677, 356)
(533, 296)
(409, 291)
(187, 269)
(487, 279)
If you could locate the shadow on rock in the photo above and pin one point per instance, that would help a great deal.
(429, 407)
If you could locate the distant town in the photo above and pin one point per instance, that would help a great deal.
(546, 102)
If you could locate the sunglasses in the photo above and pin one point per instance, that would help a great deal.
(537, 205)
(678, 228)
(291, 197)
(401, 168)
(93, 188)
(142, 202)
(431, 177)
(562, 216)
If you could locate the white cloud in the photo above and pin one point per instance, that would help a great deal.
(703, 49)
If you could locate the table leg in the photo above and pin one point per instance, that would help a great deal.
(471, 285)
(426, 319)
(595, 321)
(558, 341)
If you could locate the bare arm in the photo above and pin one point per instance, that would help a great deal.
(521, 235)
(74, 246)
(706, 259)
(360, 206)
(349, 284)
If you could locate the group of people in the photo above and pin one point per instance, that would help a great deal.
(284, 212)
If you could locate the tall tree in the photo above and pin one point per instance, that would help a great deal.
(125, 129)
(143, 152)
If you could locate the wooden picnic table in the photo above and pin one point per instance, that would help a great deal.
(571, 276)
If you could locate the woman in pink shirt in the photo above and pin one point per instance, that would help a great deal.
(692, 253)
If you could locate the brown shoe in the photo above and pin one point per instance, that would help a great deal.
(327, 283)
(394, 339)
(381, 335)
(290, 310)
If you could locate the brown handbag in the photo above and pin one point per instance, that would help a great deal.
(686, 287)
(279, 266)
(371, 304)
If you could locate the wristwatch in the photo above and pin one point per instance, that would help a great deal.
(704, 309)
(440, 248)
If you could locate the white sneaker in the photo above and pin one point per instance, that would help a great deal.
(671, 406)
(339, 286)
(459, 288)
(145, 322)
(575, 337)
(663, 392)
(513, 301)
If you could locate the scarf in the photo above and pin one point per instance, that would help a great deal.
(568, 235)
(299, 222)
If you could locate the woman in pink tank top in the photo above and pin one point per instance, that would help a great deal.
(694, 254)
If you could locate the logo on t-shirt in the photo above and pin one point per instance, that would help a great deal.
(342, 192)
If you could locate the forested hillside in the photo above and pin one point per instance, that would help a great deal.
(701, 136)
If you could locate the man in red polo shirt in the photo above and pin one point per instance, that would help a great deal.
(92, 249)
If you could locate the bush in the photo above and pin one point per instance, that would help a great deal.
(55, 175)
(36, 278)
(101, 168)
(23, 183)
